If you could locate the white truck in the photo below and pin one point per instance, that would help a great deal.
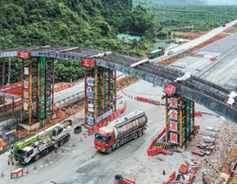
(33, 148)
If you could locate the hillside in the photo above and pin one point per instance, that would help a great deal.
(149, 2)
(85, 23)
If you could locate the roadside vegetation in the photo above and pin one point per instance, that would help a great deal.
(192, 17)
(84, 23)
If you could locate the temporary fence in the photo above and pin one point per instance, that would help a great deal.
(62, 87)
(108, 119)
(198, 114)
(148, 100)
(18, 103)
(150, 150)
(10, 106)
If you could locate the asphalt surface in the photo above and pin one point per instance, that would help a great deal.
(86, 165)
(198, 41)
(58, 97)
(220, 71)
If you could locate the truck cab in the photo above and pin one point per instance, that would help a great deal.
(25, 154)
(58, 132)
(104, 140)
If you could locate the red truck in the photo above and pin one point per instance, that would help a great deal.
(120, 131)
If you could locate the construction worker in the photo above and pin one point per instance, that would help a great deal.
(55, 148)
(12, 158)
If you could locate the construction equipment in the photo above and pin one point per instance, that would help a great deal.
(120, 131)
(155, 53)
(77, 130)
(36, 146)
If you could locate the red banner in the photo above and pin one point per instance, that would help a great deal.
(9, 106)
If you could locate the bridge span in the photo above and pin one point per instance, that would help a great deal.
(203, 92)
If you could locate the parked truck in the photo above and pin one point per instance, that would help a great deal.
(155, 53)
(36, 146)
(120, 131)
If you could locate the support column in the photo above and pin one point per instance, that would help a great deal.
(30, 91)
(53, 90)
(99, 87)
(85, 97)
(103, 91)
(166, 119)
(180, 121)
(13, 106)
(115, 95)
(45, 97)
(96, 88)
(2, 77)
(38, 90)
(109, 89)
(22, 87)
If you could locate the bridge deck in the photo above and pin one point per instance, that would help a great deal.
(201, 91)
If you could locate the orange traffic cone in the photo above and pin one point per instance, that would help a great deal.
(73, 145)
(35, 167)
(62, 150)
(54, 155)
(85, 135)
(2, 174)
(47, 160)
(27, 171)
(80, 139)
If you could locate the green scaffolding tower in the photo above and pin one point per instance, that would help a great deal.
(100, 94)
(37, 89)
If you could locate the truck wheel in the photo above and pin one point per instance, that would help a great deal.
(110, 150)
(135, 136)
(139, 133)
(37, 157)
(67, 139)
(61, 142)
(118, 145)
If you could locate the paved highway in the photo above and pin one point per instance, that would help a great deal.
(220, 71)
(4, 117)
(59, 96)
(83, 164)
(196, 41)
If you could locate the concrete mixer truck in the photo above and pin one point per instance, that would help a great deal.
(120, 131)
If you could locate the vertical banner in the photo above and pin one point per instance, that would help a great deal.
(174, 137)
(33, 106)
(173, 114)
(90, 121)
(90, 81)
(26, 70)
(91, 107)
(173, 126)
(90, 94)
(25, 106)
(174, 103)
(26, 84)
(26, 94)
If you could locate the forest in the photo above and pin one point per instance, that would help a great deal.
(83, 23)
(196, 2)
(192, 17)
